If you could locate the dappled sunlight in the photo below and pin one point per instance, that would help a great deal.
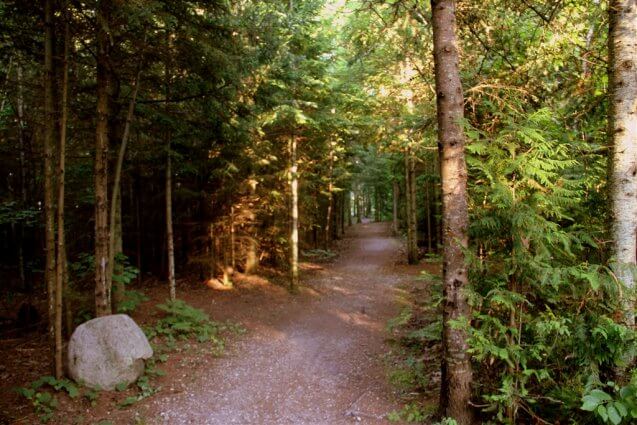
(218, 285)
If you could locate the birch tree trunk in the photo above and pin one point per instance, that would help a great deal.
(102, 288)
(623, 131)
(456, 367)
(294, 216)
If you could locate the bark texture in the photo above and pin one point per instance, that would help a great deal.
(49, 161)
(102, 288)
(457, 376)
(61, 243)
(623, 131)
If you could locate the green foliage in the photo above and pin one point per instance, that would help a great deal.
(45, 402)
(319, 254)
(12, 213)
(132, 299)
(612, 404)
(411, 412)
(125, 273)
(183, 321)
(543, 316)
(91, 396)
(145, 390)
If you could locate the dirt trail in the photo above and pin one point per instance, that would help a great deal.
(314, 358)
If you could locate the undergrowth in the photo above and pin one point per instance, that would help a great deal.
(43, 400)
(415, 356)
(179, 322)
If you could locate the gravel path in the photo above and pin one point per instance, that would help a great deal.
(315, 358)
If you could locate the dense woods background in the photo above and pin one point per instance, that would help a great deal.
(190, 140)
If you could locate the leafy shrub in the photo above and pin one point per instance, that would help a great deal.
(612, 404)
(544, 318)
(184, 321)
(44, 402)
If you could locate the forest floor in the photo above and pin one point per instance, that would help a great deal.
(317, 357)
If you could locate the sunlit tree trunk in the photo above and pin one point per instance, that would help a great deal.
(170, 245)
(330, 197)
(61, 246)
(102, 288)
(294, 216)
(252, 258)
(623, 131)
(456, 368)
(232, 239)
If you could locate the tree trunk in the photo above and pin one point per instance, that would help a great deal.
(115, 236)
(330, 198)
(169, 227)
(623, 131)
(413, 205)
(456, 368)
(61, 246)
(49, 207)
(102, 288)
(138, 236)
(396, 194)
(428, 210)
(294, 215)
(233, 261)
(23, 177)
(170, 246)
(410, 209)
(252, 259)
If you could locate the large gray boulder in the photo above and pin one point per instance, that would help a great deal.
(106, 351)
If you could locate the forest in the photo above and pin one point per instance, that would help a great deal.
(318, 211)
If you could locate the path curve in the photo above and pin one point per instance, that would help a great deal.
(314, 360)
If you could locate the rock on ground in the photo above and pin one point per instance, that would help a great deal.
(107, 351)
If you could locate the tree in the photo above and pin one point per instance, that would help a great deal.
(623, 134)
(102, 287)
(49, 175)
(60, 259)
(456, 367)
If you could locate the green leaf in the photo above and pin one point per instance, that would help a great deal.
(613, 414)
(590, 403)
(621, 408)
(601, 395)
